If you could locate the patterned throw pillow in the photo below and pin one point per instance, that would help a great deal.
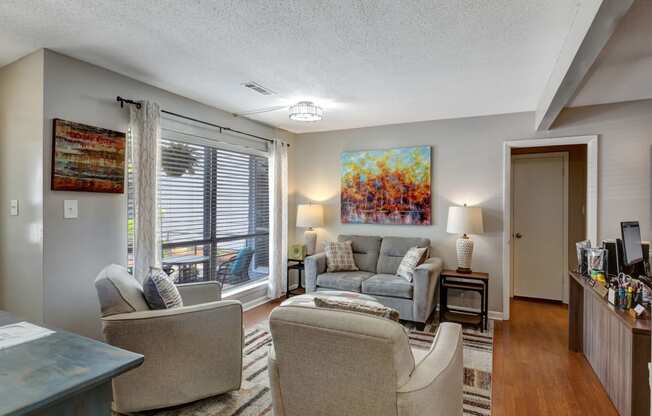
(410, 261)
(339, 257)
(356, 306)
(160, 292)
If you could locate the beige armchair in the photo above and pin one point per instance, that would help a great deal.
(330, 362)
(190, 352)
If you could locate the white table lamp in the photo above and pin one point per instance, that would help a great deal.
(464, 220)
(310, 216)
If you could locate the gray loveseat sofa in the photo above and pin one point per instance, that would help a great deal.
(378, 259)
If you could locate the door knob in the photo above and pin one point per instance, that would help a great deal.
(518, 235)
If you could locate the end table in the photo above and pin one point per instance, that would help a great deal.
(294, 264)
(476, 282)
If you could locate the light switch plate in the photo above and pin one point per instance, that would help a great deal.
(13, 207)
(70, 208)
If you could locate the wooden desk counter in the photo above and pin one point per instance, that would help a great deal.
(616, 344)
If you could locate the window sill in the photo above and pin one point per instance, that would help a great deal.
(238, 292)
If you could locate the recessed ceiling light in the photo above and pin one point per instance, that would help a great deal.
(306, 111)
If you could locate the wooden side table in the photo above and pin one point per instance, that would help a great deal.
(476, 282)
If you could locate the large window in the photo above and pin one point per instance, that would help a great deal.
(214, 212)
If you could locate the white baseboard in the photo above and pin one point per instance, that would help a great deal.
(495, 315)
(255, 303)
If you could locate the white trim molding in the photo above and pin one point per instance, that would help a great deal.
(495, 316)
(255, 303)
(250, 295)
(591, 143)
(592, 27)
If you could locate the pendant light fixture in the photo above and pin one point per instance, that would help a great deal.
(306, 111)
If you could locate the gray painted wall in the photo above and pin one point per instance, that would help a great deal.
(56, 280)
(21, 178)
(467, 168)
(76, 250)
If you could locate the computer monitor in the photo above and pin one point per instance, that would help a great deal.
(632, 248)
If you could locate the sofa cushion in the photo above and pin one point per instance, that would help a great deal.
(388, 285)
(119, 292)
(365, 250)
(393, 249)
(347, 281)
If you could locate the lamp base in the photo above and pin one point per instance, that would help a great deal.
(310, 239)
(464, 248)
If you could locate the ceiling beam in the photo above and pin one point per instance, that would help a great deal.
(594, 23)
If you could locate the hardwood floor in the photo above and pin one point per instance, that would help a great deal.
(259, 314)
(533, 371)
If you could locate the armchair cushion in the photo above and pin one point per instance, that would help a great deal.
(160, 292)
(348, 281)
(388, 285)
(119, 292)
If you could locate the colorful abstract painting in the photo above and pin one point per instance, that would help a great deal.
(86, 158)
(386, 186)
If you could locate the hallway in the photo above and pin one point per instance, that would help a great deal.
(533, 371)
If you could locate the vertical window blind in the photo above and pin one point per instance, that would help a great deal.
(214, 212)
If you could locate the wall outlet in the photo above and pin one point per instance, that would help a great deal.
(70, 209)
(13, 207)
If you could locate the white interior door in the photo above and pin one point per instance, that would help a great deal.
(539, 218)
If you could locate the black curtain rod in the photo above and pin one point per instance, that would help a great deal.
(124, 101)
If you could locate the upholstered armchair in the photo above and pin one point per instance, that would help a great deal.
(191, 352)
(333, 362)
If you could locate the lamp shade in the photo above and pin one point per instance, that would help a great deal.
(310, 215)
(465, 220)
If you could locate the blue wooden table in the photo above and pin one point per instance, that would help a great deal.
(62, 374)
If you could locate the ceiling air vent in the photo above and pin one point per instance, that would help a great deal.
(254, 86)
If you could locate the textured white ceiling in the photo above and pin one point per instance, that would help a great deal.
(366, 62)
(623, 71)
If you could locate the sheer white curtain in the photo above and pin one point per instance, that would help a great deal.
(278, 238)
(145, 126)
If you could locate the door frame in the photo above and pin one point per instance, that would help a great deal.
(591, 143)
(565, 157)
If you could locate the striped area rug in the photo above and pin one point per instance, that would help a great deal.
(254, 398)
